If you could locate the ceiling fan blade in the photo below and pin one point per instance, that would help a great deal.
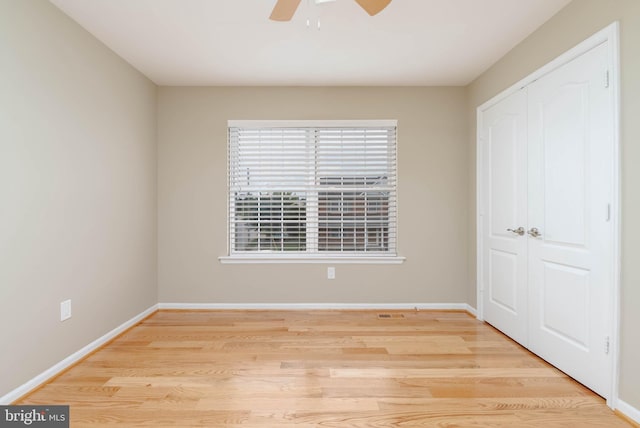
(284, 10)
(373, 7)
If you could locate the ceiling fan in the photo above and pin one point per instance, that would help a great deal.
(285, 9)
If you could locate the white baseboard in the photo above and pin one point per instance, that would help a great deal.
(628, 410)
(319, 306)
(472, 310)
(71, 359)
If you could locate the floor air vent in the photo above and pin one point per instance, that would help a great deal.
(390, 316)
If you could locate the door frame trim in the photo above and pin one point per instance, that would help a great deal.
(610, 34)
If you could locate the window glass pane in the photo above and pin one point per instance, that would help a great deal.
(353, 221)
(273, 221)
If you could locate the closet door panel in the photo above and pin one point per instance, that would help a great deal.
(570, 151)
(505, 209)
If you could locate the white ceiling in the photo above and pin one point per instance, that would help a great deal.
(232, 42)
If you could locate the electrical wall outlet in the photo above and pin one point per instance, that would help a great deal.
(331, 273)
(65, 310)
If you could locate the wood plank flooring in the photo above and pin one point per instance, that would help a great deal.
(250, 369)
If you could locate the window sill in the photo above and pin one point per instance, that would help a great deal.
(395, 260)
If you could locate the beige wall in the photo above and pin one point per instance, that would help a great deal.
(77, 189)
(571, 25)
(432, 192)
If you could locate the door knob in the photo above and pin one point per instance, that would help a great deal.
(534, 232)
(519, 231)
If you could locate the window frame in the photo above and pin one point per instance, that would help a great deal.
(283, 257)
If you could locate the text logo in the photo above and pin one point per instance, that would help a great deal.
(34, 416)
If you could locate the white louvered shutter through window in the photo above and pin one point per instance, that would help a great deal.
(312, 190)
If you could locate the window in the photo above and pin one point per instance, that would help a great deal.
(312, 190)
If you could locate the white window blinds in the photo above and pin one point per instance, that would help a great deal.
(303, 190)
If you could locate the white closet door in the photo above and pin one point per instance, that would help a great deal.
(504, 195)
(570, 162)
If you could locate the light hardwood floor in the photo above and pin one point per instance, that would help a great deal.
(249, 369)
